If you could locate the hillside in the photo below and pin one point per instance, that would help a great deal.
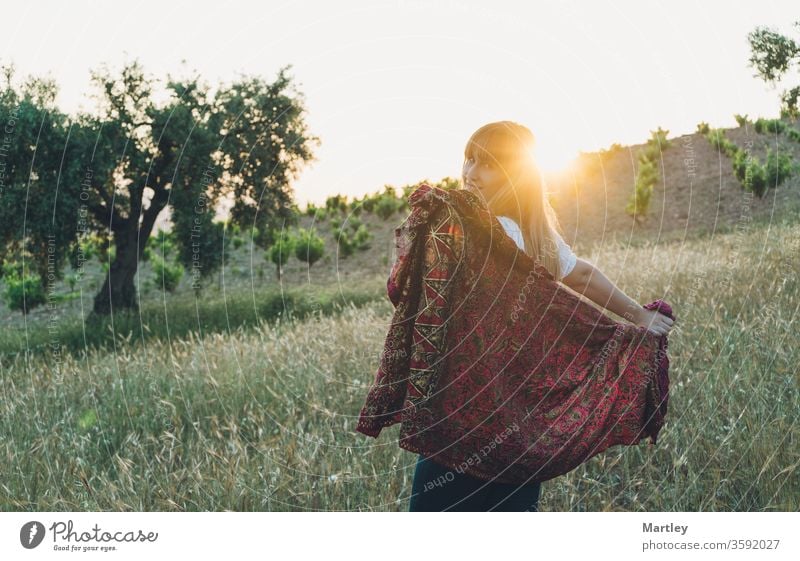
(692, 198)
(697, 192)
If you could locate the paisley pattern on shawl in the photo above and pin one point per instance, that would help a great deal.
(493, 368)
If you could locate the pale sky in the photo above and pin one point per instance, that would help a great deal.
(395, 88)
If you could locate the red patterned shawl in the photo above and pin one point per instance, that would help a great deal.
(493, 368)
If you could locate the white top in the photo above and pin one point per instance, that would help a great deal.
(565, 254)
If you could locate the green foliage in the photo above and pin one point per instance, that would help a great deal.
(355, 207)
(349, 241)
(775, 126)
(180, 317)
(646, 178)
(749, 173)
(790, 108)
(778, 167)
(200, 246)
(354, 224)
(793, 134)
(162, 243)
(107, 255)
(72, 281)
(23, 291)
(309, 247)
(321, 214)
(772, 55)
(83, 249)
(658, 137)
(720, 142)
(752, 175)
(280, 251)
(741, 120)
(655, 145)
(386, 206)
(344, 242)
(166, 275)
(336, 203)
(703, 128)
(193, 146)
(362, 238)
(40, 169)
(647, 174)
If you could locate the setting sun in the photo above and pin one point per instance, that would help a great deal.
(553, 159)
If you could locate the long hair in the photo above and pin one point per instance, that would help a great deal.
(509, 147)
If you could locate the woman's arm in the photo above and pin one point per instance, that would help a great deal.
(588, 280)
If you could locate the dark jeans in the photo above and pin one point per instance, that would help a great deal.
(437, 489)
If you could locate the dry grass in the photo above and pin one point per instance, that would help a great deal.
(264, 419)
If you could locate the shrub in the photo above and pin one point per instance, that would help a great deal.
(769, 125)
(166, 275)
(308, 247)
(344, 242)
(703, 128)
(237, 241)
(362, 237)
(720, 142)
(386, 206)
(777, 168)
(322, 214)
(643, 189)
(355, 224)
(793, 134)
(755, 179)
(741, 120)
(72, 280)
(82, 250)
(749, 172)
(336, 203)
(356, 206)
(368, 203)
(740, 162)
(22, 291)
(280, 251)
(163, 242)
(658, 137)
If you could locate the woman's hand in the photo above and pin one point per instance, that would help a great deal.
(654, 321)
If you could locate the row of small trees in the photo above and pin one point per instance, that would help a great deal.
(385, 204)
(24, 290)
(754, 176)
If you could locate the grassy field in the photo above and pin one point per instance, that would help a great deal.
(263, 418)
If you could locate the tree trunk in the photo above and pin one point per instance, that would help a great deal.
(118, 291)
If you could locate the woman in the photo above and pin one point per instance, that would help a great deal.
(499, 167)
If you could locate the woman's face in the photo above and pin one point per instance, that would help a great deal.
(484, 178)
